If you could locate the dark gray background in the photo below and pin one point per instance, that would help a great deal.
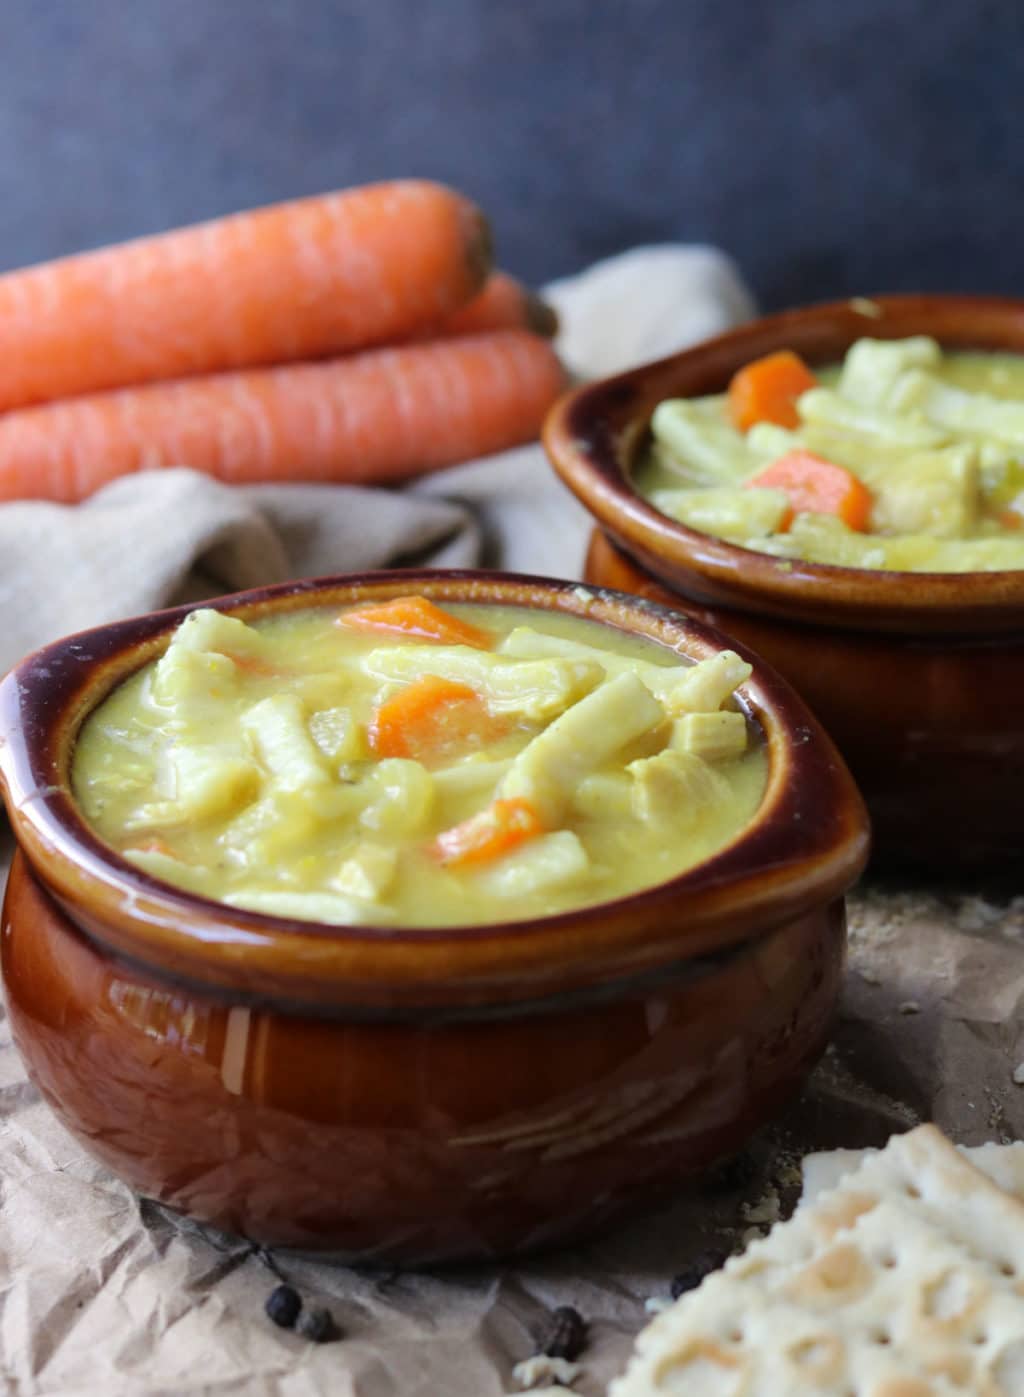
(831, 148)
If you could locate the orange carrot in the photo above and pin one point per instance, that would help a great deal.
(419, 617)
(379, 416)
(767, 389)
(816, 486)
(503, 304)
(433, 721)
(252, 664)
(308, 278)
(1010, 519)
(503, 826)
(153, 845)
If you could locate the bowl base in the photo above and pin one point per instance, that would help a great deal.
(416, 1143)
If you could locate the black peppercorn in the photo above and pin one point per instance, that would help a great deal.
(283, 1306)
(691, 1276)
(565, 1336)
(317, 1325)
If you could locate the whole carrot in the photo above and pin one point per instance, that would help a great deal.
(377, 416)
(503, 304)
(297, 280)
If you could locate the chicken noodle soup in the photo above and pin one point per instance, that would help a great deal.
(903, 458)
(399, 763)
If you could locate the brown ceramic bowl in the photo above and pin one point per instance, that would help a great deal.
(414, 1096)
(916, 675)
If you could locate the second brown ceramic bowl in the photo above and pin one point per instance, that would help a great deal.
(917, 676)
(403, 1095)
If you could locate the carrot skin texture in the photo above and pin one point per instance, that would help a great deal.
(817, 486)
(381, 416)
(503, 304)
(766, 390)
(304, 279)
(419, 617)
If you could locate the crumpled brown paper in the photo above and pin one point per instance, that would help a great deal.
(102, 1293)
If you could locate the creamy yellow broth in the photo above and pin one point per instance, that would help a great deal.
(937, 439)
(245, 765)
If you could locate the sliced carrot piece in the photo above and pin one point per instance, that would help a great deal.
(433, 721)
(252, 664)
(419, 617)
(817, 486)
(502, 826)
(1010, 519)
(153, 845)
(767, 389)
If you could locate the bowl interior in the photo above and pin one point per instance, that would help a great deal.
(804, 845)
(594, 434)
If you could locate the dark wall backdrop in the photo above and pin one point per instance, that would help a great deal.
(830, 147)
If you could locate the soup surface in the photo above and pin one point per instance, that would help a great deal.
(404, 764)
(903, 458)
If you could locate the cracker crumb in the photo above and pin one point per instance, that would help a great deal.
(765, 1210)
(543, 1368)
(787, 1172)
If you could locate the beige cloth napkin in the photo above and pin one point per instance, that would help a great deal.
(103, 1294)
(150, 540)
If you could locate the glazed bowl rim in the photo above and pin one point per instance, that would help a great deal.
(587, 454)
(779, 866)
